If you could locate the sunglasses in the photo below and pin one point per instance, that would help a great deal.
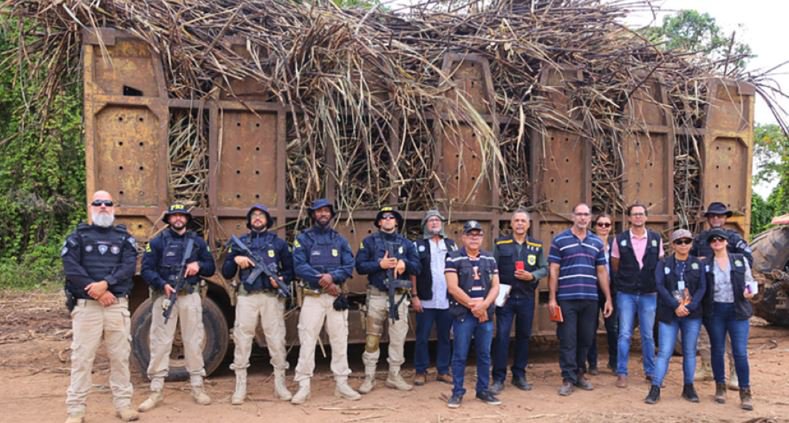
(683, 241)
(99, 203)
(604, 225)
(388, 216)
(717, 239)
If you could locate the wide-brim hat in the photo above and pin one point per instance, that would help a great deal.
(389, 209)
(717, 208)
(263, 209)
(177, 209)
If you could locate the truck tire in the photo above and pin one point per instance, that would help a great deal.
(215, 341)
(770, 253)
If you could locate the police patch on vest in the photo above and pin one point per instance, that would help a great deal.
(115, 250)
(531, 259)
(334, 252)
(88, 248)
(694, 266)
(271, 253)
(103, 249)
(738, 263)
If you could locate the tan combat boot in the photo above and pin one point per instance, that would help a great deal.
(343, 390)
(127, 414)
(746, 401)
(280, 386)
(199, 395)
(369, 380)
(240, 393)
(76, 417)
(153, 400)
(396, 381)
(704, 372)
(303, 394)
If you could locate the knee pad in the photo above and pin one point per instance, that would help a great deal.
(371, 343)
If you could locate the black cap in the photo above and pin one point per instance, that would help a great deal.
(717, 232)
(321, 203)
(717, 208)
(471, 225)
(177, 209)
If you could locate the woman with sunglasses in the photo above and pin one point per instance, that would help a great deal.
(726, 311)
(680, 281)
(603, 225)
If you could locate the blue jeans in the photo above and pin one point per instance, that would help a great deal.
(721, 321)
(424, 324)
(522, 310)
(464, 330)
(627, 305)
(668, 337)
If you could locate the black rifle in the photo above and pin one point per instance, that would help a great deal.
(283, 290)
(392, 285)
(178, 283)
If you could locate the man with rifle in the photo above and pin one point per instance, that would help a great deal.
(266, 270)
(387, 258)
(172, 265)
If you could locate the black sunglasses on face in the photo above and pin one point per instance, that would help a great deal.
(717, 239)
(604, 225)
(683, 241)
(99, 203)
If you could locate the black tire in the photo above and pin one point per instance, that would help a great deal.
(215, 342)
(771, 252)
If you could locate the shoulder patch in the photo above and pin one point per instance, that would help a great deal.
(361, 245)
(504, 241)
(132, 242)
(148, 247)
(534, 244)
(296, 244)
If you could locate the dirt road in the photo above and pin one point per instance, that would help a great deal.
(34, 362)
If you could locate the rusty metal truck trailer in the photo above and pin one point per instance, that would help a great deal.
(244, 152)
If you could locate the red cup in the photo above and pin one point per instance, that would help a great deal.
(519, 265)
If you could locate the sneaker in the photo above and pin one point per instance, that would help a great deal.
(566, 389)
(520, 383)
(444, 378)
(420, 379)
(488, 398)
(455, 401)
(496, 387)
(584, 384)
(653, 396)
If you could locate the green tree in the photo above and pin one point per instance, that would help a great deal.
(692, 31)
(771, 157)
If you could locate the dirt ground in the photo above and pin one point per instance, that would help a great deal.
(34, 364)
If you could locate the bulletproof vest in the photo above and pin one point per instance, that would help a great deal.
(326, 250)
(629, 278)
(471, 272)
(262, 245)
(101, 250)
(424, 280)
(382, 243)
(508, 255)
(692, 278)
(172, 254)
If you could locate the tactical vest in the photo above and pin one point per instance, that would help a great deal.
(424, 280)
(398, 243)
(737, 263)
(629, 278)
(262, 245)
(466, 279)
(101, 252)
(325, 252)
(692, 277)
(531, 250)
(173, 248)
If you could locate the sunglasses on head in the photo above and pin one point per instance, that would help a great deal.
(683, 241)
(604, 225)
(99, 203)
(717, 239)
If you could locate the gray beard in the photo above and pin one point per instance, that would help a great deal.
(102, 219)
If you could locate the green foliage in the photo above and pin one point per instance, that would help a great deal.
(42, 169)
(771, 157)
(691, 31)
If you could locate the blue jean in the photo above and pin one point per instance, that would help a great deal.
(627, 305)
(668, 337)
(464, 330)
(522, 310)
(424, 324)
(723, 320)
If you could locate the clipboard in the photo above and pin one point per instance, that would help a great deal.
(504, 293)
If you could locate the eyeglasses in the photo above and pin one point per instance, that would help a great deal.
(637, 214)
(717, 239)
(99, 203)
(683, 241)
(604, 225)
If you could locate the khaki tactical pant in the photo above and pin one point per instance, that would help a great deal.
(377, 314)
(317, 312)
(189, 310)
(90, 321)
(271, 311)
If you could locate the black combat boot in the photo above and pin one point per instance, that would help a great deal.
(653, 396)
(689, 393)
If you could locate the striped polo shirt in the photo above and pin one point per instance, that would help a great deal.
(578, 261)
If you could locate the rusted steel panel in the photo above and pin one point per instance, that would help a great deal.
(247, 152)
(562, 171)
(646, 160)
(461, 166)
